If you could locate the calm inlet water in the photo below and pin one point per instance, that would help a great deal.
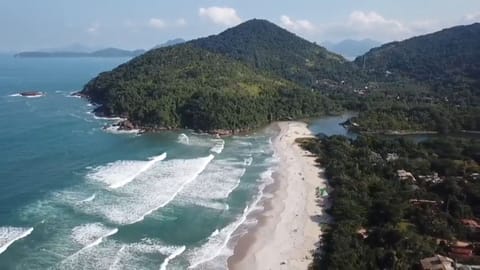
(73, 196)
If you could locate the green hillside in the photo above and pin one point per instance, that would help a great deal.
(263, 45)
(185, 86)
(447, 61)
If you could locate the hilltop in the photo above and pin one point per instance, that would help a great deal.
(266, 46)
(235, 80)
(258, 72)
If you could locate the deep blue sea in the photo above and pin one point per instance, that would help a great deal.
(76, 196)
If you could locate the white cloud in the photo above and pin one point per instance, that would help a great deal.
(157, 23)
(220, 15)
(301, 26)
(370, 24)
(472, 17)
(181, 22)
(93, 29)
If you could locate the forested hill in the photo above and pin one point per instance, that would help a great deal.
(266, 46)
(240, 79)
(447, 60)
(258, 72)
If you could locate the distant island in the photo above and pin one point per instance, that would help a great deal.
(108, 52)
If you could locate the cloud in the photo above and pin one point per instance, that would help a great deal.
(373, 23)
(181, 22)
(301, 26)
(370, 24)
(157, 23)
(220, 15)
(472, 17)
(93, 29)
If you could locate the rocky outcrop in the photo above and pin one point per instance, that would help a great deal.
(126, 125)
(31, 94)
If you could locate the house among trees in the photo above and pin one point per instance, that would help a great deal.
(471, 224)
(437, 262)
(433, 178)
(405, 176)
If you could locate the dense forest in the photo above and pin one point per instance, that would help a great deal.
(265, 46)
(257, 72)
(186, 86)
(396, 201)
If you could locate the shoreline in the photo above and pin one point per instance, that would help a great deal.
(288, 229)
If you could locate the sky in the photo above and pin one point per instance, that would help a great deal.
(36, 24)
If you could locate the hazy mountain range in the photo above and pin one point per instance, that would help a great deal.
(79, 50)
(350, 48)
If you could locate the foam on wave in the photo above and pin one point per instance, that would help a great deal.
(172, 256)
(183, 139)
(91, 234)
(119, 173)
(217, 182)
(112, 255)
(217, 243)
(218, 147)
(89, 199)
(8, 235)
(154, 188)
(116, 130)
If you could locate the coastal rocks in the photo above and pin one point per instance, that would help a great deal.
(31, 94)
(79, 95)
(126, 125)
(222, 132)
(350, 124)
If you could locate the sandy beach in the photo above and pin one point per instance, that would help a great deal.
(288, 229)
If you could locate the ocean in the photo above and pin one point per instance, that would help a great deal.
(76, 196)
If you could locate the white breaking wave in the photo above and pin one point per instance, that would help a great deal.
(172, 256)
(183, 139)
(113, 255)
(116, 119)
(119, 173)
(218, 147)
(216, 244)
(89, 199)
(15, 95)
(117, 130)
(154, 188)
(218, 180)
(91, 234)
(8, 235)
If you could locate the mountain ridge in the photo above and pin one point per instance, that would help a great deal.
(282, 76)
(168, 87)
(107, 52)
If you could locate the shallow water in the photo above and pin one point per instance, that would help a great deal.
(74, 196)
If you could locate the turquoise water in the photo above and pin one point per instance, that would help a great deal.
(74, 196)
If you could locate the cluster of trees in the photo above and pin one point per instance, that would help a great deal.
(265, 46)
(400, 117)
(448, 61)
(186, 86)
(368, 194)
(258, 72)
